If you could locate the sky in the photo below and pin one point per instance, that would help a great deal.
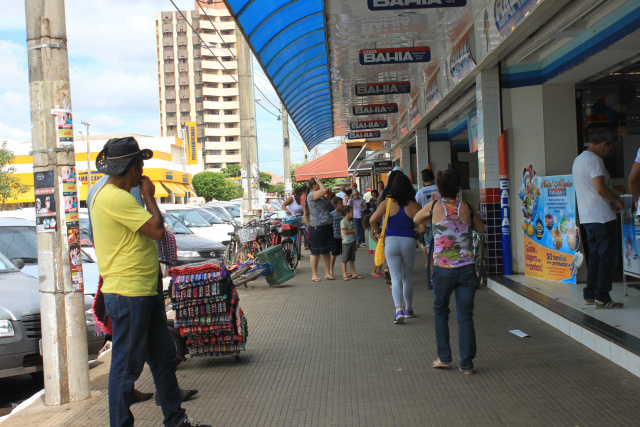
(113, 73)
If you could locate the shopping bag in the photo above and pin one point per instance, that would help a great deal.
(379, 258)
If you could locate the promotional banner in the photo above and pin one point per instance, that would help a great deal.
(370, 124)
(402, 55)
(630, 239)
(413, 4)
(64, 121)
(461, 61)
(472, 126)
(386, 88)
(45, 201)
(432, 92)
(551, 236)
(191, 137)
(508, 14)
(414, 114)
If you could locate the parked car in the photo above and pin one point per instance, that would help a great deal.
(221, 213)
(210, 228)
(20, 327)
(231, 208)
(18, 241)
(192, 248)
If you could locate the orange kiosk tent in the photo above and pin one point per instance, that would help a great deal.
(331, 165)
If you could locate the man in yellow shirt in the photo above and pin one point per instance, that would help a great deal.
(124, 237)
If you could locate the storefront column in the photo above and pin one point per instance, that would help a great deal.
(488, 106)
(405, 160)
(422, 152)
(541, 121)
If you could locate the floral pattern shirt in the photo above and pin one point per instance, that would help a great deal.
(453, 238)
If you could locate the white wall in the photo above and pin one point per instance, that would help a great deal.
(439, 155)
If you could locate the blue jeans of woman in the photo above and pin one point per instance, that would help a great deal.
(140, 335)
(463, 281)
(357, 224)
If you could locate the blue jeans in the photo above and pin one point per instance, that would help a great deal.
(603, 251)
(140, 335)
(357, 224)
(463, 281)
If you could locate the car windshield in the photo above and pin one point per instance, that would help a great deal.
(219, 213)
(209, 216)
(233, 210)
(5, 264)
(175, 225)
(19, 242)
(190, 218)
(276, 206)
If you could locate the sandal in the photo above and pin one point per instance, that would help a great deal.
(439, 364)
(316, 280)
(357, 276)
(346, 278)
(330, 278)
(376, 275)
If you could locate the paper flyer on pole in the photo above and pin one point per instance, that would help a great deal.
(551, 235)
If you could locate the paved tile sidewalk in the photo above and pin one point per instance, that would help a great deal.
(328, 354)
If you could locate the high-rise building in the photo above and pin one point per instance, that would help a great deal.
(198, 79)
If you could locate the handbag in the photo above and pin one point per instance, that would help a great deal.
(379, 256)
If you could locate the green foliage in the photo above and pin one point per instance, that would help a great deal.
(264, 181)
(295, 166)
(10, 185)
(214, 186)
(278, 188)
(231, 171)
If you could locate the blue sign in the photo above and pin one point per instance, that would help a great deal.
(403, 55)
(413, 4)
(509, 13)
(461, 62)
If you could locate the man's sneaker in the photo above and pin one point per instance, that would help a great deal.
(588, 301)
(399, 317)
(606, 305)
(408, 312)
(188, 422)
(439, 364)
(184, 395)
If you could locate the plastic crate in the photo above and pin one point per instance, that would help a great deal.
(275, 257)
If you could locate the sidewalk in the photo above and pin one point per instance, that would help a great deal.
(328, 353)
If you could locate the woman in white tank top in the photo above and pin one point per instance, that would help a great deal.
(293, 205)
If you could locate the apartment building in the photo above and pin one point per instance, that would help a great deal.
(198, 79)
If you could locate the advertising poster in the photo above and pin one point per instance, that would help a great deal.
(70, 199)
(64, 121)
(75, 259)
(472, 126)
(551, 235)
(192, 144)
(45, 201)
(630, 239)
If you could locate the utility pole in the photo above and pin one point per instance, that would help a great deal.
(64, 336)
(287, 152)
(87, 124)
(249, 148)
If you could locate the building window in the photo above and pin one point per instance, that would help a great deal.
(227, 45)
(211, 85)
(184, 87)
(227, 98)
(213, 125)
(213, 139)
(229, 111)
(214, 165)
(226, 58)
(232, 152)
(225, 19)
(228, 85)
(215, 152)
(216, 112)
(229, 125)
(226, 32)
(229, 138)
(171, 114)
(228, 71)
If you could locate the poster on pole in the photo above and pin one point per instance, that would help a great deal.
(64, 123)
(45, 201)
(551, 234)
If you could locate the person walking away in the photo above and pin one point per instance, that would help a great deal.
(376, 271)
(426, 194)
(359, 206)
(349, 245)
(400, 245)
(337, 217)
(127, 255)
(342, 194)
(318, 219)
(597, 208)
(454, 268)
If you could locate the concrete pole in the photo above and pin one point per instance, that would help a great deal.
(64, 336)
(249, 150)
(287, 152)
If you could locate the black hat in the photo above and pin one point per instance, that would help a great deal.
(118, 153)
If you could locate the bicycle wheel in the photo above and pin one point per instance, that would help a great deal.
(243, 254)
(246, 278)
(290, 255)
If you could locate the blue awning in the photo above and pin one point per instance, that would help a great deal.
(289, 39)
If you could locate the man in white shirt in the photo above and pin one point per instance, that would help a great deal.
(342, 194)
(597, 208)
(427, 193)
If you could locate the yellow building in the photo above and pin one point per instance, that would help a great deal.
(168, 169)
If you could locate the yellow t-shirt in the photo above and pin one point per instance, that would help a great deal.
(127, 259)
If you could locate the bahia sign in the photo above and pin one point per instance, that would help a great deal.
(364, 135)
(371, 124)
(413, 4)
(364, 110)
(403, 55)
(387, 88)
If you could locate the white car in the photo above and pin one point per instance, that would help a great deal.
(211, 227)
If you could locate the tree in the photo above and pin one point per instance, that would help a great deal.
(231, 171)
(10, 185)
(214, 186)
(264, 181)
(278, 188)
(295, 166)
